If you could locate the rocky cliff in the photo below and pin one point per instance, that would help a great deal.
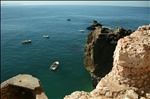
(94, 25)
(22, 87)
(130, 75)
(100, 45)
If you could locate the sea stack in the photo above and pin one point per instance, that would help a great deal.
(94, 25)
(130, 75)
(99, 49)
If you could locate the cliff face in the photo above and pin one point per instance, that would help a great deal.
(98, 56)
(22, 87)
(130, 75)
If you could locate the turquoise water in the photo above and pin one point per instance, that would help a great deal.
(66, 44)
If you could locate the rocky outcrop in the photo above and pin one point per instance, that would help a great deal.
(94, 25)
(22, 87)
(98, 56)
(130, 75)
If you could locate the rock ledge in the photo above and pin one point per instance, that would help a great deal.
(22, 86)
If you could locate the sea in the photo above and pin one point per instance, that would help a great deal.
(65, 43)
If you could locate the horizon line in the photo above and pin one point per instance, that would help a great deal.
(96, 3)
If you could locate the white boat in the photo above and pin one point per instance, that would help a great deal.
(54, 65)
(82, 31)
(45, 36)
(26, 41)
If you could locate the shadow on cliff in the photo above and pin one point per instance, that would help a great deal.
(99, 49)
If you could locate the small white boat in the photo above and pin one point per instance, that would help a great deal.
(54, 65)
(26, 41)
(45, 36)
(82, 31)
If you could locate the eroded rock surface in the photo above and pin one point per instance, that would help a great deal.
(130, 75)
(22, 87)
(100, 46)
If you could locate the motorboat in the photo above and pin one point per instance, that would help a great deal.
(26, 41)
(82, 31)
(45, 36)
(54, 65)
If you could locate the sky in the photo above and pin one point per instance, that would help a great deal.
(104, 3)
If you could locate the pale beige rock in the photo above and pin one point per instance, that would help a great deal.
(131, 58)
(131, 94)
(130, 75)
(109, 94)
(41, 96)
(22, 86)
(24, 80)
(78, 95)
(142, 98)
(148, 95)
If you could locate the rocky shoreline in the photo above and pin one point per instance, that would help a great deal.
(130, 75)
(94, 25)
(99, 49)
(118, 61)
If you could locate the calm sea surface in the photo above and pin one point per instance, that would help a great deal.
(66, 43)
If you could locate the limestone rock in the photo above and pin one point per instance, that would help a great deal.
(100, 46)
(130, 75)
(78, 95)
(22, 86)
(94, 25)
(131, 94)
(142, 98)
